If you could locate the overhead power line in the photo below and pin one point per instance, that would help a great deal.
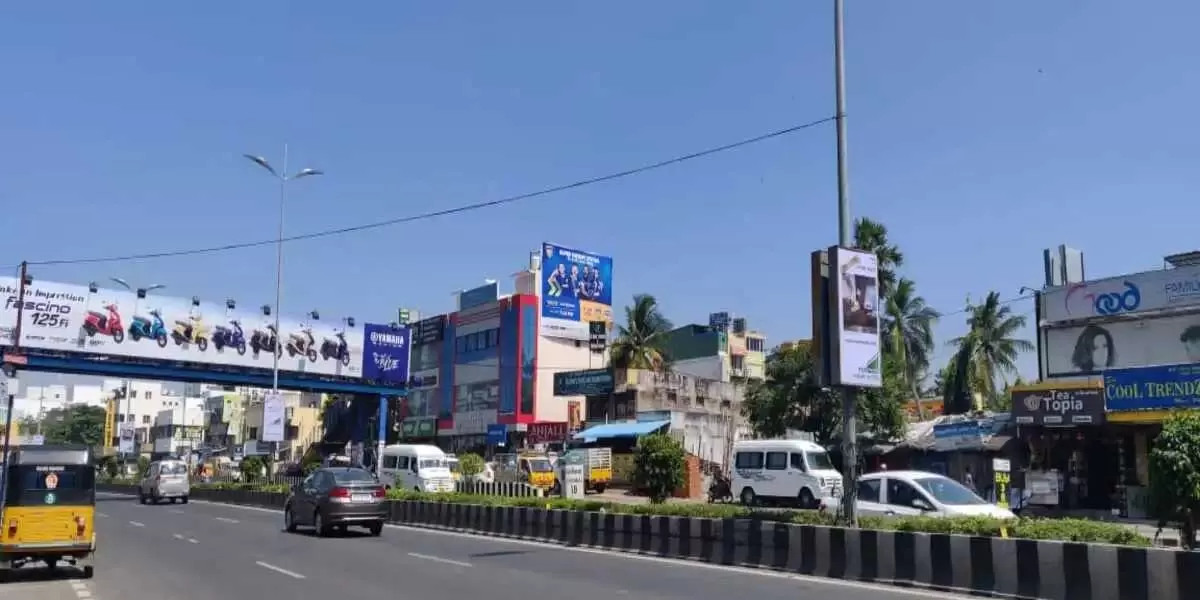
(449, 211)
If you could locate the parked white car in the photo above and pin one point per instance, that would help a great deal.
(917, 493)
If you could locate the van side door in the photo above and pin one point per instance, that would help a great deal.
(781, 481)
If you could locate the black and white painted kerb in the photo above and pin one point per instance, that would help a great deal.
(984, 566)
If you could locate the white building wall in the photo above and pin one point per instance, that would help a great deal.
(705, 367)
(556, 355)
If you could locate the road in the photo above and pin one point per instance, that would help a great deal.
(205, 551)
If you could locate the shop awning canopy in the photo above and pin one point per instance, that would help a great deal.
(620, 430)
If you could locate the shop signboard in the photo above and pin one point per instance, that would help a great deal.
(65, 317)
(855, 347)
(1062, 405)
(542, 433)
(473, 422)
(497, 434)
(576, 289)
(1097, 347)
(589, 382)
(963, 435)
(1152, 388)
(1134, 294)
(418, 428)
(429, 331)
(487, 293)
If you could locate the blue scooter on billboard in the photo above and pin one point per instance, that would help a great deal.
(336, 349)
(230, 337)
(151, 329)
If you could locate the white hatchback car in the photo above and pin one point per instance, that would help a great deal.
(917, 493)
(165, 480)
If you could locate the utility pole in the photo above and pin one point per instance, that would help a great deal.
(845, 240)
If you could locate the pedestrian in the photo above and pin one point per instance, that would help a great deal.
(969, 479)
(882, 466)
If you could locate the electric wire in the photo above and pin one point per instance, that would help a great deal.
(449, 211)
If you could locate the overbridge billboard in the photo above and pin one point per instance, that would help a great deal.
(71, 318)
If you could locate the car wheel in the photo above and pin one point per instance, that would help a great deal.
(174, 500)
(806, 499)
(289, 520)
(376, 529)
(89, 572)
(142, 498)
(748, 497)
(183, 500)
(319, 526)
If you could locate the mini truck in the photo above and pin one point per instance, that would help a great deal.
(597, 462)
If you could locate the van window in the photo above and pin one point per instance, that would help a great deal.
(777, 461)
(819, 461)
(391, 462)
(798, 461)
(401, 462)
(749, 460)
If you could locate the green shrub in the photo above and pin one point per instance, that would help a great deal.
(470, 465)
(658, 466)
(143, 465)
(252, 468)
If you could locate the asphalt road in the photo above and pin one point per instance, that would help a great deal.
(205, 551)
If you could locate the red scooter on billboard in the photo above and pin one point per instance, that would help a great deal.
(107, 325)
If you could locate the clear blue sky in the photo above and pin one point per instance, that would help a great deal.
(980, 132)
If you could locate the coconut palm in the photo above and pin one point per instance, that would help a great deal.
(873, 236)
(641, 342)
(908, 331)
(990, 348)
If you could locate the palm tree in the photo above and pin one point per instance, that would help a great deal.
(873, 236)
(640, 343)
(989, 348)
(908, 331)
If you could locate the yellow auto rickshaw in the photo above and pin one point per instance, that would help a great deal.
(49, 508)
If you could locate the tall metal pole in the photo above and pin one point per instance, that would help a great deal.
(283, 179)
(846, 240)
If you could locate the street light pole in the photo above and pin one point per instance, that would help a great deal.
(139, 295)
(283, 178)
(845, 240)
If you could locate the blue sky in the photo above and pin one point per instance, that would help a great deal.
(980, 133)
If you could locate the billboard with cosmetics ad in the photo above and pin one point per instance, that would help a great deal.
(576, 289)
(72, 318)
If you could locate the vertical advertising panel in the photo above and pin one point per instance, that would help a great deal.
(386, 353)
(576, 289)
(273, 417)
(855, 347)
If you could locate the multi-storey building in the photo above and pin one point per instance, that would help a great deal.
(724, 350)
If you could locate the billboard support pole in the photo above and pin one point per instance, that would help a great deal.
(22, 277)
(845, 239)
(382, 427)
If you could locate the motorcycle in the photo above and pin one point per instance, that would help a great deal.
(338, 349)
(150, 329)
(302, 342)
(265, 341)
(720, 489)
(191, 331)
(230, 337)
(102, 324)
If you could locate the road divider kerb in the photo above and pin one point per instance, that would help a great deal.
(984, 566)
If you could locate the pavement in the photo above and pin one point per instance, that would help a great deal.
(205, 551)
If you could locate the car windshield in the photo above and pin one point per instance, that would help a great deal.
(353, 476)
(540, 465)
(432, 463)
(948, 491)
(818, 460)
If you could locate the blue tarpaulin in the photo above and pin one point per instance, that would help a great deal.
(616, 430)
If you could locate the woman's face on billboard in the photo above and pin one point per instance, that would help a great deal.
(1100, 350)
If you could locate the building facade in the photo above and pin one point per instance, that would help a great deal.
(724, 350)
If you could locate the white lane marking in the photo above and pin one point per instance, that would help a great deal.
(181, 538)
(440, 559)
(177, 536)
(81, 590)
(227, 520)
(812, 579)
(281, 570)
(78, 585)
(102, 515)
(137, 524)
(176, 511)
(193, 541)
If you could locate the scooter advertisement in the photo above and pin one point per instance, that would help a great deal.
(70, 318)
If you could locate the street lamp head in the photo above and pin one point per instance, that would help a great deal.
(157, 286)
(93, 287)
(230, 304)
(121, 282)
(308, 173)
(262, 162)
(316, 316)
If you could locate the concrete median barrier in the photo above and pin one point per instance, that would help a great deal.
(980, 565)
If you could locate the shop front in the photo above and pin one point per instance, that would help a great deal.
(1071, 459)
(1138, 400)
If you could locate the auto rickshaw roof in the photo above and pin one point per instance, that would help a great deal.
(51, 455)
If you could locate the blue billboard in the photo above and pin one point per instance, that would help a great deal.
(386, 353)
(576, 289)
(1152, 388)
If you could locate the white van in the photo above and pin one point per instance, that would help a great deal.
(790, 471)
(417, 467)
